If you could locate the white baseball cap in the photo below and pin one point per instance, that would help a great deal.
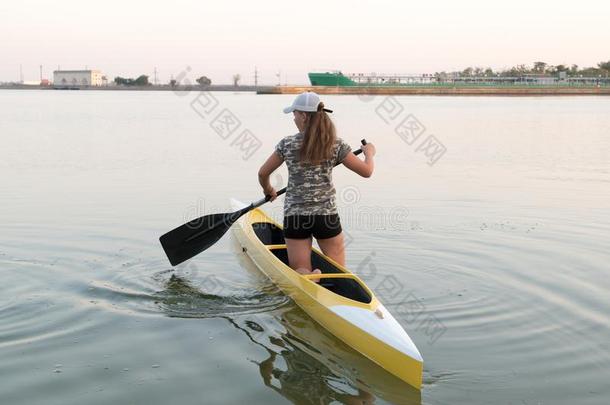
(307, 101)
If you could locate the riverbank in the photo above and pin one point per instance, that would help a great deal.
(441, 90)
(444, 90)
(219, 87)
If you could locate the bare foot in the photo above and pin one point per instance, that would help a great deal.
(303, 271)
(316, 271)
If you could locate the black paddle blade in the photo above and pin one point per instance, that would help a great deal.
(195, 236)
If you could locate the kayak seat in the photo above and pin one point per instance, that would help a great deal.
(345, 287)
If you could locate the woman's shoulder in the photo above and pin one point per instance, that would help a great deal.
(291, 139)
(339, 141)
(287, 144)
(342, 148)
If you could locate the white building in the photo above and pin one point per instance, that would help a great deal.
(70, 78)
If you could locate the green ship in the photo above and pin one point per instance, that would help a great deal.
(330, 79)
(338, 79)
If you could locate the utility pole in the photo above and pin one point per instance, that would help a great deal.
(155, 79)
(40, 73)
(21, 74)
(255, 78)
(279, 77)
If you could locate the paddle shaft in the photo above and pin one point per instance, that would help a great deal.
(282, 191)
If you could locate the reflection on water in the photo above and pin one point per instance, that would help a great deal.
(183, 300)
(315, 367)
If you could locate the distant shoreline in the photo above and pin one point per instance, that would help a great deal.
(445, 90)
(219, 87)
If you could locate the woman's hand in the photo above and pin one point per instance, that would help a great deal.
(270, 191)
(368, 150)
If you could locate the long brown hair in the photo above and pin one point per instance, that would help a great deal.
(319, 138)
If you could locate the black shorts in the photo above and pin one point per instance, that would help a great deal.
(304, 226)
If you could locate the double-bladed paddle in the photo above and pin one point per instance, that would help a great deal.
(192, 238)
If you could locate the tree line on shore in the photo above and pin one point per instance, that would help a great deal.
(538, 68)
(142, 80)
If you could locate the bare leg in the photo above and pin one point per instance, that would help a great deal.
(334, 248)
(299, 256)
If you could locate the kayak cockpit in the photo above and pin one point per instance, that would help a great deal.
(336, 280)
(268, 233)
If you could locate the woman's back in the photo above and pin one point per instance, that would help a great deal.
(310, 189)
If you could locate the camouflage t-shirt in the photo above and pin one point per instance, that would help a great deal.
(310, 188)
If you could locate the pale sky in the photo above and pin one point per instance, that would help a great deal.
(222, 38)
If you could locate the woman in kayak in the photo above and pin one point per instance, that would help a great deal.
(309, 207)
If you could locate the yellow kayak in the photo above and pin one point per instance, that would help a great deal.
(341, 302)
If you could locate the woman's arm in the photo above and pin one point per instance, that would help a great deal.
(364, 168)
(273, 162)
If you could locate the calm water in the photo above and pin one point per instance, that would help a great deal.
(494, 259)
